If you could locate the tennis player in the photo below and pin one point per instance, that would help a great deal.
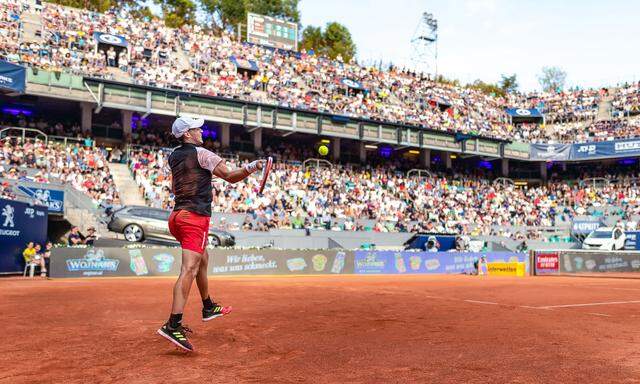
(192, 168)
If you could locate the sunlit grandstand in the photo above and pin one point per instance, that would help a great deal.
(376, 167)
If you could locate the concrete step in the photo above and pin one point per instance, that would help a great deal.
(119, 75)
(85, 219)
(31, 27)
(604, 108)
(182, 59)
(127, 187)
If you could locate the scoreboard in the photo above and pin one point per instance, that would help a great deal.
(272, 32)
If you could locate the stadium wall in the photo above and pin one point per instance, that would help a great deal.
(584, 262)
(114, 262)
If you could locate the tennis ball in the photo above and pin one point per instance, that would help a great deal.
(323, 150)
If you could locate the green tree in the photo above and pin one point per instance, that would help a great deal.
(333, 41)
(92, 5)
(488, 88)
(229, 13)
(552, 79)
(312, 38)
(137, 8)
(509, 84)
(178, 12)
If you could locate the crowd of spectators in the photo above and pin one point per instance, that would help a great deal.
(626, 100)
(351, 198)
(84, 168)
(561, 107)
(198, 60)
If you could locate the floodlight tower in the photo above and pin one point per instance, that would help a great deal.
(424, 45)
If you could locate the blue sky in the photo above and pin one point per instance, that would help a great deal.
(595, 42)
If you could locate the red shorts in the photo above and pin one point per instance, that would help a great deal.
(190, 229)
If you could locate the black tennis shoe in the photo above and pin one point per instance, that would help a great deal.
(215, 311)
(177, 336)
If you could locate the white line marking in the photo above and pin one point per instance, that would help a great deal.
(481, 302)
(530, 307)
(589, 304)
(599, 314)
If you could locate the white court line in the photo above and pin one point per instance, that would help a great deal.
(588, 304)
(599, 314)
(481, 302)
(530, 307)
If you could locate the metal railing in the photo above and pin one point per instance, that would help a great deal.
(596, 182)
(420, 173)
(69, 140)
(6, 132)
(504, 181)
(316, 163)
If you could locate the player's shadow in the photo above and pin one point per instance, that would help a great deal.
(180, 353)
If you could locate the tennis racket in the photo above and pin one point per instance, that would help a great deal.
(265, 174)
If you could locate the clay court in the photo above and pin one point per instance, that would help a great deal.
(339, 329)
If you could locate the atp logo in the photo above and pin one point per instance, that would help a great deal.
(110, 39)
(30, 212)
(590, 149)
(8, 212)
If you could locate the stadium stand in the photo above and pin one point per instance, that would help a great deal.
(385, 200)
(194, 60)
(378, 197)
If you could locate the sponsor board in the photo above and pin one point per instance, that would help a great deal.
(406, 262)
(51, 198)
(19, 224)
(550, 152)
(599, 261)
(547, 263)
(230, 262)
(506, 269)
(12, 77)
(79, 262)
(92, 263)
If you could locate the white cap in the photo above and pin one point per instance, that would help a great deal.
(183, 124)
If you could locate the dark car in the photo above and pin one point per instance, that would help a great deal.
(138, 223)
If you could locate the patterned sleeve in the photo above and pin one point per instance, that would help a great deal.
(207, 159)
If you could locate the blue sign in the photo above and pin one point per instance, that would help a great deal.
(107, 38)
(51, 198)
(351, 83)
(550, 152)
(12, 77)
(406, 262)
(586, 225)
(20, 223)
(604, 149)
(244, 64)
(524, 113)
(419, 241)
(632, 240)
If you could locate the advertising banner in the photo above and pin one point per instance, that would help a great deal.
(598, 261)
(547, 263)
(12, 77)
(109, 39)
(550, 152)
(506, 269)
(53, 199)
(524, 112)
(392, 262)
(586, 225)
(604, 149)
(20, 223)
(632, 241)
(82, 262)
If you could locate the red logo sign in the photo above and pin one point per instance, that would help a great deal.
(547, 261)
